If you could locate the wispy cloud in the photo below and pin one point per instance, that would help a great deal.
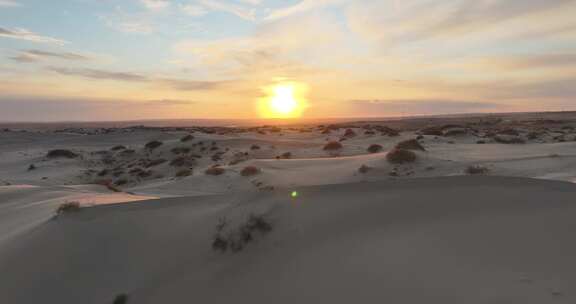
(9, 3)
(421, 106)
(24, 34)
(27, 56)
(238, 10)
(177, 84)
(155, 4)
(554, 60)
(300, 7)
(99, 74)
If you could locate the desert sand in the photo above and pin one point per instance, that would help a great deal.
(466, 209)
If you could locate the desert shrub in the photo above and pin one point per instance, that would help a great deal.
(118, 148)
(333, 145)
(153, 145)
(364, 169)
(108, 184)
(181, 150)
(387, 131)
(184, 173)
(455, 132)
(128, 152)
(433, 131)
(183, 161)
(155, 162)
(249, 171)
(68, 207)
(121, 182)
(509, 132)
(375, 148)
(481, 142)
(255, 147)
(31, 167)
(411, 144)
(121, 299)
(215, 170)
(61, 153)
(349, 133)
(286, 155)
(236, 239)
(400, 156)
(476, 170)
(186, 138)
(509, 139)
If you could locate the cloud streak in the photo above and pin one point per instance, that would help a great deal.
(28, 56)
(24, 34)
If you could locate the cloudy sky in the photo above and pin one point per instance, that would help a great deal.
(134, 59)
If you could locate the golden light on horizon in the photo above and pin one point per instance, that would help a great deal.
(283, 100)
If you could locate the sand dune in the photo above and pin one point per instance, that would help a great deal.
(477, 212)
(455, 240)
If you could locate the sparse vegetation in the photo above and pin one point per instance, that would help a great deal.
(333, 146)
(68, 207)
(31, 167)
(155, 162)
(476, 170)
(411, 144)
(249, 171)
(184, 173)
(183, 161)
(375, 148)
(400, 156)
(509, 139)
(364, 169)
(118, 148)
(121, 299)
(61, 153)
(254, 147)
(236, 239)
(215, 170)
(152, 145)
(186, 138)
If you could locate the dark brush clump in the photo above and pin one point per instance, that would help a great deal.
(153, 145)
(61, 153)
(399, 156)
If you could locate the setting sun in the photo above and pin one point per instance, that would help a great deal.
(283, 100)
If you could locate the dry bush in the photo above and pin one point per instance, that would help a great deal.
(155, 162)
(153, 145)
(399, 156)
(476, 170)
(61, 153)
(215, 170)
(181, 150)
(349, 133)
(118, 148)
(121, 299)
(375, 148)
(184, 173)
(411, 144)
(286, 155)
(509, 139)
(455, 132)
(68, 207)
(183, 162)
(108, 184)
(254, 147)
(364, 169)
(186, 138)
(249, 171)
(332, 146)
(432, 131)
(236, 239)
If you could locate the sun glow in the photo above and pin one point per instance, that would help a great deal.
(283, 100)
